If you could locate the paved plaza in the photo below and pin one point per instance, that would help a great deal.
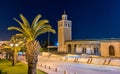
(73, 68)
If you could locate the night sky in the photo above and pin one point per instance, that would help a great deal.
(91, 19)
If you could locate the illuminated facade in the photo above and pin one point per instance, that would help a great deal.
(103, 47)
(64, 32)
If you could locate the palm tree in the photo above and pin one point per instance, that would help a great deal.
(31, 32)
(15, 44)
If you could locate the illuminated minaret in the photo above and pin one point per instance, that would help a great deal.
(64, 32)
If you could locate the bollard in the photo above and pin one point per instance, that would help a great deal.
(56, 69)
(45, 66)
(41, 65)
(49, 67)
(65, 72)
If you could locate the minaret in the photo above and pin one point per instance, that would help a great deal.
(64, 32)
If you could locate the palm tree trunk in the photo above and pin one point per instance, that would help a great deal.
(14, 58)
(32, 56)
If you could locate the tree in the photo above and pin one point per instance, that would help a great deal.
(17, 41)
(15, 44)
(31, 32)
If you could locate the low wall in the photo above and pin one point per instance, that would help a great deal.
(115, 62)
(45, 53)
(98, 61)
(83, 60)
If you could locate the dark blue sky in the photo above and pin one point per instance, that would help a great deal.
(90, 18)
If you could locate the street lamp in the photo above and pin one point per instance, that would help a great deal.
(48, 40)
(11, 45)
(16, 45)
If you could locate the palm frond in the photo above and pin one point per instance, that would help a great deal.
(26, 29)
(20, 23)
(40, 23)
(41, 31)
(43, 26)
(31, 32)
(25, 21)
(18, 29)
(7, 47)
(27, 25)
(35, 21)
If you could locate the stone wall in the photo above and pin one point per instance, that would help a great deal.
(105, 48)
(115, 62)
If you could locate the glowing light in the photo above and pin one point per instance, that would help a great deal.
(57, 43)
(16, 45)
(11, 45)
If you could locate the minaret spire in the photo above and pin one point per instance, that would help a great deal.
(64, 12)
(64, 16)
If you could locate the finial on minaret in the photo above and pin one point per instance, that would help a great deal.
(64, 12)
(64, 16)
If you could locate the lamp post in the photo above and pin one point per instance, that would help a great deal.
(48, 41)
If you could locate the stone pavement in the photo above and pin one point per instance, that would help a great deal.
(73, 68)
(47, 70)
(50, 70)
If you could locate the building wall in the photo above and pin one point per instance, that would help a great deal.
(83, 47)
(105, 48)
(101, 46)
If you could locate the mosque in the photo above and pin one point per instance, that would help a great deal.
(103, 47)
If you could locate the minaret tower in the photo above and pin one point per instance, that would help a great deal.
(64, 32)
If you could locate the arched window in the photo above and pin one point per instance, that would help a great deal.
(111, 50)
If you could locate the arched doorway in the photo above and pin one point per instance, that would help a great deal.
(69, 48)
(111, 50)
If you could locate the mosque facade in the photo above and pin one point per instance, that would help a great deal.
(103, 47)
